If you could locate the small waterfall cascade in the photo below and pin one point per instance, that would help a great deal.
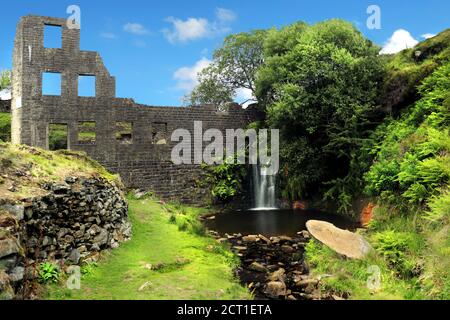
(263, 188)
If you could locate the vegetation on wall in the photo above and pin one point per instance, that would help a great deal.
(225, 180)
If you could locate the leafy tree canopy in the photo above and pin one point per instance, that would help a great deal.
(319, 86)
(234, 67)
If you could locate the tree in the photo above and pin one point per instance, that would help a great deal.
(5, 79)
(234, 67)
(319, 86)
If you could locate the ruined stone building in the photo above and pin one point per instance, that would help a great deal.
(126, 137)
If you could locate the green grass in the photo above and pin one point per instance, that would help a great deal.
(57, 136)
(193, 266)
(5, 126)
(86, 132)
(405, 70)
(349, 277)
(41, 166)
(412, 253)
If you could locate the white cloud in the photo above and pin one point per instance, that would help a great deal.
(187, 77)
(225, 15)
(197, 28)
(428, 35)
(190, 29)
(400, 40)
(108, 35)
(135, 28)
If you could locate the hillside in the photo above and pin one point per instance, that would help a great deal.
(61, 206)
(23, 169)
(409, 180)
(406, 69)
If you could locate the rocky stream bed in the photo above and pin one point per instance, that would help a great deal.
(274, 268)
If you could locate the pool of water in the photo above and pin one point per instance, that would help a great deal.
(273, 222)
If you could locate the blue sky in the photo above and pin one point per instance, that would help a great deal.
(154, 48)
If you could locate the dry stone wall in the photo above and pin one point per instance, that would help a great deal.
(72, 224)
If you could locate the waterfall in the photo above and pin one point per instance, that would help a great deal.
(263, 188)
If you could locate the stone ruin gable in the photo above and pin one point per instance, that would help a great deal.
(142, 162)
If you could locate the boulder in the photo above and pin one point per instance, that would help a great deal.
(264, 238)
(305, 234)
(344, 242)
(278, 275)
(17, 274)
(74, 256)
(8, 262)
(7, 247)
(258, 267)
(250, 238)
(6, 291)
(287, 249)
(275, 289)
(16, 210)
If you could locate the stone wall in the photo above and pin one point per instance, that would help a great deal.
(71, 224)
(142, 156)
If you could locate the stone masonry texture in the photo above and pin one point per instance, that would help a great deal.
(143, 159)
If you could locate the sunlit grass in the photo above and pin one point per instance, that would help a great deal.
(192, 266)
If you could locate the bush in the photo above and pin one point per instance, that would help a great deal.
(398, 249)
(412, 162)
(48, 272)
(439, 208)
(225, 179)
(186, 218)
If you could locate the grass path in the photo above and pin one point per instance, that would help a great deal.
(194, 267)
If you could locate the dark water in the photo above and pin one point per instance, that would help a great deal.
(273, 222)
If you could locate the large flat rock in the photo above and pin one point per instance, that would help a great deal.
(344, 242)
